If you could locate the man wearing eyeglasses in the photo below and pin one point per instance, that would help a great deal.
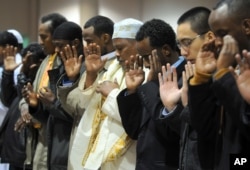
(192, 31)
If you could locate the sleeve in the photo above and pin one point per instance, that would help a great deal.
(239, 111)
(9, 91)
(110, 106)
(151, 101)
(75, 99)
(204, 108)
(130, 110)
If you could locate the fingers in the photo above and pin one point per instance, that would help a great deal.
(184, 80)
(139, 61)
(189, 69)
(63, 57)
(68, 52)
(160, 78)
(169, 75)
(10, 50)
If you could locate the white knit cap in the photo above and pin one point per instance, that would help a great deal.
(17, 35)
(126, 28)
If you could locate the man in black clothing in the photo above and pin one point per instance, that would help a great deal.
(157, 144)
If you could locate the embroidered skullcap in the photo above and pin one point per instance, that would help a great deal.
(126, 28)
(17, 35)
(68, 31)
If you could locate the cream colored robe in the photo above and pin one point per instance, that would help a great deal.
(100, 140)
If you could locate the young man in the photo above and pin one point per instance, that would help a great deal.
(140, 105)
(39, 107)
(6, 39)
(100, 140)
(98, 30)
(192, 31)
(14, 143)
(19, 38)
(218, 110)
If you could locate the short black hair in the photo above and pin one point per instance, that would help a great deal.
(36, 50)
(56, 20)
(238, 9)
(198, 19)
(7, 38)
(159, 33)
(101, 25)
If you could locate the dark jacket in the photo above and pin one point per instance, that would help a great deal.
(157, 147)
(59, 125)
(157, 143)
(219, 114)
(13, 143)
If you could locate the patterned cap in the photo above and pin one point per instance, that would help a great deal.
(126, 28)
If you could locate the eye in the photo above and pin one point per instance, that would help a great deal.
(186, 42)
(221, 33)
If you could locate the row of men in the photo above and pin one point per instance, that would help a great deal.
(128, 100)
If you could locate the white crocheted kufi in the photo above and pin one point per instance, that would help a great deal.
(126, 28)
(17, 35)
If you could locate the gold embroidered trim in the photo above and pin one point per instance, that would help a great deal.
(98, 118)
(120, 147)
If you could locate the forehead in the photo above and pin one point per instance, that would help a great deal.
(120, 42)
(88, 32)
(219, 18)
(44, 28)
(60, 41)
(184, 31)
(143, 47)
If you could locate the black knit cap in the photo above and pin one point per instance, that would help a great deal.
(68, 31)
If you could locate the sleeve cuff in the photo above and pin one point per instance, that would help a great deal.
(200, 78)
(220, 73)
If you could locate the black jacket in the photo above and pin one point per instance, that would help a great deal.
(157, 146)
(59, 125)
(13, 143)
(219, 114)
(157, 142)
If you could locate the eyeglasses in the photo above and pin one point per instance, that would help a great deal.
(186, 42)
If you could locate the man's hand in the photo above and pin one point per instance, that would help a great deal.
(106, 87)
(243, 79)
(134, 74)
(93, 62)
(169, 91)
(10, 58)
(227, 55)
(155, 66)
(29, 95)
(189, 72)
(206, 60)
(46, 96)
(72, 62)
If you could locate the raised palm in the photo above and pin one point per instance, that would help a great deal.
(10, 59)
(243, 79)
(29, 95)
(206, 61)
(169, 91)
(93, 60)
(72, 62)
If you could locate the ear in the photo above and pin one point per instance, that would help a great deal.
(166, 50)
(105, 37)
(246, 26)
(75, 42)
(209, 36)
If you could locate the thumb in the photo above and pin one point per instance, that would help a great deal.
(115, 81)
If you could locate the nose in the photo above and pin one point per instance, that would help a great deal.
(57, 49)
(184, 52)
(40, 42)
(117, 54)
(218, 42)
